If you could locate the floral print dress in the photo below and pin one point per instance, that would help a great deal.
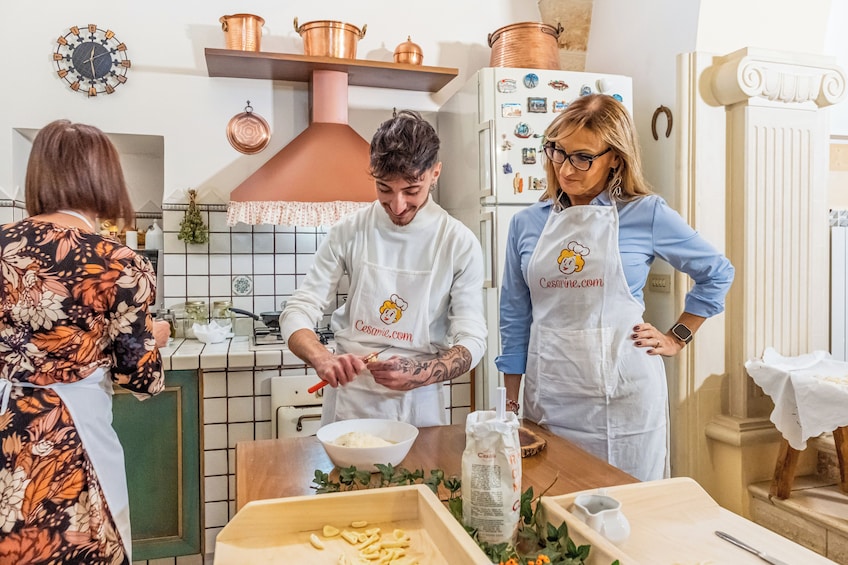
(70, 303)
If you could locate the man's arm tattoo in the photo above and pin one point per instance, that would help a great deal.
(455, 362)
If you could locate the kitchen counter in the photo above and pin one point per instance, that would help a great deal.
(233, 353)
(285, 467)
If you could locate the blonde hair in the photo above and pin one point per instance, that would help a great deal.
(609, 119)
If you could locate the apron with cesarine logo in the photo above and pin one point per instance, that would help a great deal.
(586, 380)
(389, 308)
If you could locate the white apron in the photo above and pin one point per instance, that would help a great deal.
(89, 402)
(389, 307)
(586, 380)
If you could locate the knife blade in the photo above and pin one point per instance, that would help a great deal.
(368, 359)
(761, 554)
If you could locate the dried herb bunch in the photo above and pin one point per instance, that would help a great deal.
(192, 227)
(539, 542)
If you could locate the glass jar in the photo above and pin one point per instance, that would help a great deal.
(196, 313)
(167, 315)
(221, 313)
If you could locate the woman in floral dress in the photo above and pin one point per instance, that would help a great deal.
(74, 318)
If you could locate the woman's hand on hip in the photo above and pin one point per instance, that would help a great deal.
(656, 342)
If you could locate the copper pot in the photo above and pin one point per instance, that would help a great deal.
(327, 38)
(243, 31)
(409, 53)
(531, 45)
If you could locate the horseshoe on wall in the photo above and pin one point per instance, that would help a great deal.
(657, 112)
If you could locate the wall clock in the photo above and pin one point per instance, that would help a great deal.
(91, 60)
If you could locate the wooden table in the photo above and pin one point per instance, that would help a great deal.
(276, 468)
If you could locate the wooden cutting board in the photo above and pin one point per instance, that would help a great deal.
(531, 443)
(673, 522)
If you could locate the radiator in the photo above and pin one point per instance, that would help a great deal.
(839, 284)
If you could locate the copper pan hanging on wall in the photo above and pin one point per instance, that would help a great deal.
(248, 132)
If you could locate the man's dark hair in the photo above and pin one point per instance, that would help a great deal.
(405, 146)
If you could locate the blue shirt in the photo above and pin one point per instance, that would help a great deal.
(648, 228)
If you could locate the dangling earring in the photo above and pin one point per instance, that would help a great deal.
(432, 187)
(615, 189)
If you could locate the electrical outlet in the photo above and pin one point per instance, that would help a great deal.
(659, 283)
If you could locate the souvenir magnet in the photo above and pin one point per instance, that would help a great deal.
(558, 84)
(517, 184)
(618, 97)
(507, 168)
(585, 89)
(537, 183)
(537, 105)
(511, 110)
(528, 155)
(523, 130)
(531, 80)
(558, 106)
(507, 85)
(507, 144)
(602, 84)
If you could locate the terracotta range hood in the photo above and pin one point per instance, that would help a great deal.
(319, 177)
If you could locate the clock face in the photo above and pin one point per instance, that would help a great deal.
(92, 61)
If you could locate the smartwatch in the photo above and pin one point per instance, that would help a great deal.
(682, 333)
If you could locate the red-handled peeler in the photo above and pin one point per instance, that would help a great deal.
(368, 359)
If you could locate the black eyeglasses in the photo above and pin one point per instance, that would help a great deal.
(580, 161)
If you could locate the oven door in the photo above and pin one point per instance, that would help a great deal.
(296, 421)
(294, 410)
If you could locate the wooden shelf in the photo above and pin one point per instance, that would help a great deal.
(287, 66)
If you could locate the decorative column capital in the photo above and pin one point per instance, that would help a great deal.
(776, 76)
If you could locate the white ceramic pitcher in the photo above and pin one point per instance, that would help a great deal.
(603, 514)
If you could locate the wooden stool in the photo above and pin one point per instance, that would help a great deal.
(787, 459)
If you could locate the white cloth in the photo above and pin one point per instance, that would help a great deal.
(367, 246)
(89, 402)
(586, 380)
(810, 393)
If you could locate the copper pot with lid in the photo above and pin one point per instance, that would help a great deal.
(409, 53)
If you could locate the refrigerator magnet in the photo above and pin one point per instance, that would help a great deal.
(558, 84)
(531, 80)
(618, 97)
(507, 85)
(507, 168)
(523, 130)
(507, 144)
(558, 106)
(585, 90)
(537, 105)
(517, 184)
(528, 155)
(511, 110)
(537, 183)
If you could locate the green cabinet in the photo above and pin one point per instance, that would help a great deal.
(161, 441)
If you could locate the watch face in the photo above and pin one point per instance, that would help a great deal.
(91, 60)
(682, 332)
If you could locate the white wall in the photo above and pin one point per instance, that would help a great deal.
(169, 93)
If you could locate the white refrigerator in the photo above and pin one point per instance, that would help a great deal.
(491, 133)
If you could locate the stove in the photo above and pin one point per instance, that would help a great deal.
(271, 336)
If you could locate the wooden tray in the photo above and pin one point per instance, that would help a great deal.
(277, 531)
(673, 521)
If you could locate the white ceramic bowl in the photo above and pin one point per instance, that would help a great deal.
(401, 434)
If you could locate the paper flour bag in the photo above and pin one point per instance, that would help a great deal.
(491, 476)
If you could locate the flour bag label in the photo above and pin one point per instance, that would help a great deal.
(491, 476)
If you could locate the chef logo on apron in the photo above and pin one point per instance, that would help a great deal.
(392, 309)
(572, 259)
